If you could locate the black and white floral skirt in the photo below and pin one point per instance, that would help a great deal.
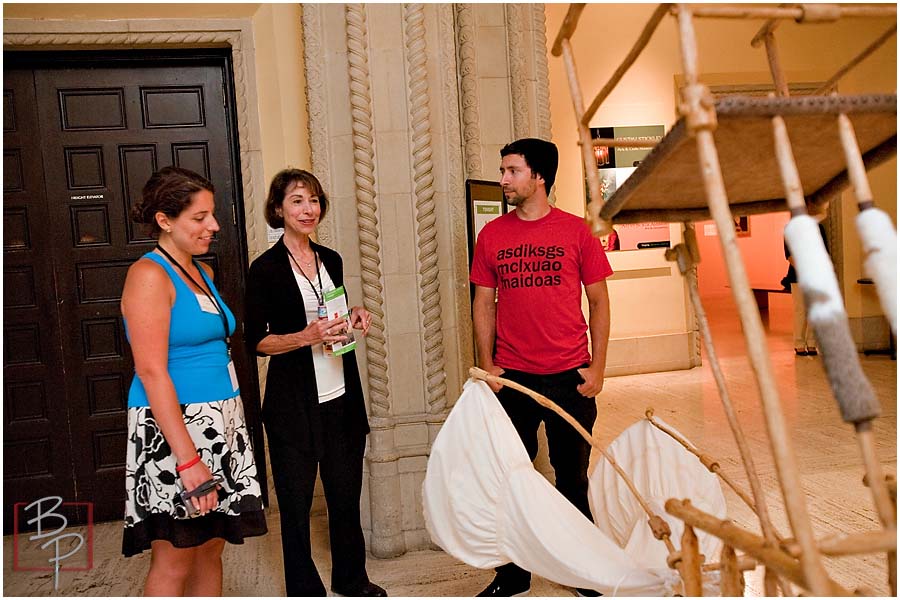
(152, 484)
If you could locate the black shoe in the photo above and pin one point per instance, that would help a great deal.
(586, 593)
(501, 588)
(368, 590)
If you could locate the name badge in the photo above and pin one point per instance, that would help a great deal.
(233, 374)
(206, 305)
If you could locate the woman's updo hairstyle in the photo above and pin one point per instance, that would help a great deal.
(278, 188)
(168, 191)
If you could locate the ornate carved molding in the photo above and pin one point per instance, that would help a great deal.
(366, 207)
(541, 72)
(316, 108)
(256, 243)
(518, 72)
(468, 83)
(455, 192)
(426, 231)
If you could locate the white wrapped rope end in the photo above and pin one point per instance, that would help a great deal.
(826, 314)
(879, 244)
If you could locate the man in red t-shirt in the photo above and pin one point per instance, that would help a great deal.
(536, 260)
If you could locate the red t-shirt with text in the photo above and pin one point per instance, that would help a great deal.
(538, 268)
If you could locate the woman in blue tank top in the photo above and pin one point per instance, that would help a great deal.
(191, 482)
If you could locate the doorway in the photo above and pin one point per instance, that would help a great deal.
(82, 133)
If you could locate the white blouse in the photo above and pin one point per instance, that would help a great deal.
(329, 369)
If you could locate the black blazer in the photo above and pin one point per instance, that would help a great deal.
(275, 306)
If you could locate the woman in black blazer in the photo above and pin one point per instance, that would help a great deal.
(313, 410)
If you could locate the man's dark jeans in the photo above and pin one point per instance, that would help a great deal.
(569, 452)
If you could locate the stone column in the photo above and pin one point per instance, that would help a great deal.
(387, 86)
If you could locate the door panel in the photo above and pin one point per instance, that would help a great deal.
(37, 458)
(103, 131)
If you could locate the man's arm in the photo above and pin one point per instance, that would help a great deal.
(598, 324)
(484, 320)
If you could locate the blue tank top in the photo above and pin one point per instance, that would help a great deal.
(198, 356)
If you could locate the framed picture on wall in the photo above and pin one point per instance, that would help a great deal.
(615, 165)
(484, 202)
(742, 226)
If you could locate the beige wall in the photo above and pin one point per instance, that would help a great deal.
(646, 95)
(282, 87)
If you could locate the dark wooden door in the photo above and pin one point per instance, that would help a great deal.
(104, 127)
(37, 454)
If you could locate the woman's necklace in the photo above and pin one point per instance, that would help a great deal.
(320, 293)
(303, 260)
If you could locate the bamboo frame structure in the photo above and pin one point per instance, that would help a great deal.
(786, 565)
(687, 561)
(701, 122)
(660, 527)
(856, 543)
(804, 567)
(805, 13)
(714, 467)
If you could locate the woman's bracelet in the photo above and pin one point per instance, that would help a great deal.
(188, 464)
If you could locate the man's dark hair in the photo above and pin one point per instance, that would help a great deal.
(541, 156)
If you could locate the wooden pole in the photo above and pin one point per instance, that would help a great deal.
(805, 14)
(732, 579)
(686, 262)
(690, 563)
(891, 482)
(781, 86)
(636, 50)
(856, 171)
(795, 200)
(880, 495)
(869, 542)
(749, 543)
(839, 74)
(785, 460)
(567, 29)
(680, 215)
(768, 27)
(595, 202)
(744, 563)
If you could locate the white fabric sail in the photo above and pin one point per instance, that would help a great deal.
(486, 505)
